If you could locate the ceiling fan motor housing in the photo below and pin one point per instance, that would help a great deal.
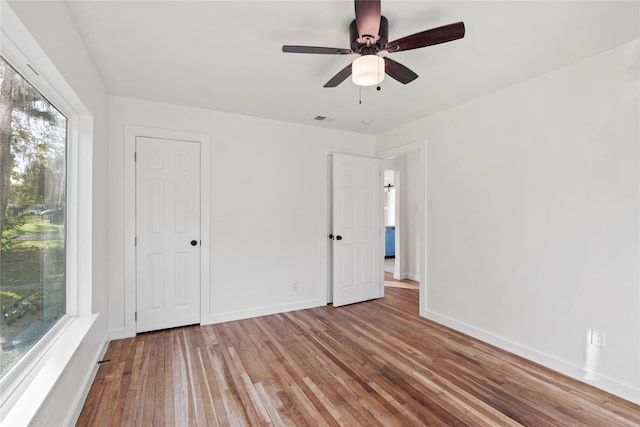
(369, 44)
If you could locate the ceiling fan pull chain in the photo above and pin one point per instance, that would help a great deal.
(360, 88)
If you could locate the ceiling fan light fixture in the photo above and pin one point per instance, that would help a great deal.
(367, 70)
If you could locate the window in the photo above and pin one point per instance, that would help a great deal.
(33, 164)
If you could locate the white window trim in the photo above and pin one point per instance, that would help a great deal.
(25, 388)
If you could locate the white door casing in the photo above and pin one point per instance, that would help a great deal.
(419, 147)
(357, 229)
(167, 233)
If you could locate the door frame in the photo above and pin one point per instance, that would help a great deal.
(419, 146)
(131, 132)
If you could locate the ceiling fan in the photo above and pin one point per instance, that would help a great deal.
(369, 35)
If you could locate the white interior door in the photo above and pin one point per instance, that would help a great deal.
(167, 233)
(357, 229)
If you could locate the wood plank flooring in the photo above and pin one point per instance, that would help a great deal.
(407, 284)
(375, 363)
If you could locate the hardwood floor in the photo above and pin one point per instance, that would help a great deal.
(406, 283)
(369, 364)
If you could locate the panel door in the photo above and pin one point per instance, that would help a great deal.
(167, 233)
(357, 231)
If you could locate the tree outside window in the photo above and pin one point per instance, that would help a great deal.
(33, 141)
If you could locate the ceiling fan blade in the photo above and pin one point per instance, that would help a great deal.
(398, 71)
(368, 18)
(430, 37)
(316, 49)
(340, 77)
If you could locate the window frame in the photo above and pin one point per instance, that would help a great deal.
(23, 53)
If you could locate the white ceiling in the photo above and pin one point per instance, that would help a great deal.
(226, 55)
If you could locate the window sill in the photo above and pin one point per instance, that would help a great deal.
(27, 394)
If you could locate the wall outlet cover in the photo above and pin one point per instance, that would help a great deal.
(597, 338)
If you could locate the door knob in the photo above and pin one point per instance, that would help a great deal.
(331, 236)
(194, 242)
(338, 237)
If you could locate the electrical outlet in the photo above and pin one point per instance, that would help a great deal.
(597, 338)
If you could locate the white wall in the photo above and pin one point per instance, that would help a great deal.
(52, 28)
(268, 224)
(533, 229)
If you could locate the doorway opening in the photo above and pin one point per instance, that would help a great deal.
(390, 215)
(401, 197)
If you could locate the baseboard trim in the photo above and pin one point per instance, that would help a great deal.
(119, 334)
(86, 386)
(261, 311)
(116, 334)
(610, 385)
